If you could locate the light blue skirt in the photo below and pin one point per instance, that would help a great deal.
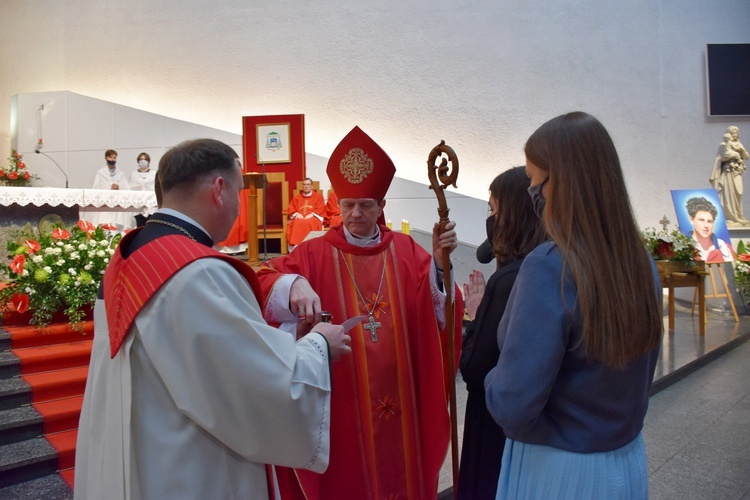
(531, 471)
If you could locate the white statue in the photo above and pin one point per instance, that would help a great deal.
(727, 176)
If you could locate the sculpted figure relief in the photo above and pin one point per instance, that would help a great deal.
(727, 176)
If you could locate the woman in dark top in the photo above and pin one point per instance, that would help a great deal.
(582, 328)
(515, 233)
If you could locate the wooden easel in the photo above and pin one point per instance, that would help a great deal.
(714, 294)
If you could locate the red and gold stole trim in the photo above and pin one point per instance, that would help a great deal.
(130, 283)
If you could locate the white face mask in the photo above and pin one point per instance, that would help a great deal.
(143, 164)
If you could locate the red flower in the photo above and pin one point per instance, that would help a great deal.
(12, 175)
(744, 257)
(2, 173)
(16, 265)
(26, 175)
(86, 226)
(109, 227)
(60, 234)
(21, 165)
(19, 303)
(665, 250)
(33, 246)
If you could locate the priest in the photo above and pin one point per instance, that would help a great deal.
(389, 413)
(306, 213)
(190, 393)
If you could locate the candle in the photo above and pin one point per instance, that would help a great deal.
(405, 226)
(389, 224)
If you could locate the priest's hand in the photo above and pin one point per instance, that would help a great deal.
(304, 302)
(447, 240)
(338, 341)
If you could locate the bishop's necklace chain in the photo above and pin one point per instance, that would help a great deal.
(174, 226)
(371, 325)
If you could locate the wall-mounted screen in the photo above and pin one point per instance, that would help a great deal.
(728, 79)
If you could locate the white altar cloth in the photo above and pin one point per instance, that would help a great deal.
(95, 205)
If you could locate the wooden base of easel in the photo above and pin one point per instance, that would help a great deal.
(715, 295)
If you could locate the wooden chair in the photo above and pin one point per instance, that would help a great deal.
(275, 196)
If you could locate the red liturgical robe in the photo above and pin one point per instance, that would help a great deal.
(390, 426)
(299, 227)
(333, 211)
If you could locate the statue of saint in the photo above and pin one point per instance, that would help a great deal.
(727, 176)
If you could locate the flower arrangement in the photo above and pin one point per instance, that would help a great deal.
(742, 270)
(16, 173)
(672, 245)
(57, 268)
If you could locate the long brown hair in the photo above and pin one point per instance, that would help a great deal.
(517, 230)
(588, 215)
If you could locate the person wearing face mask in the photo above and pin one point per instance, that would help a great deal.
(143, 179)
(110, 177)
(485, 255)
(515, 233)
(582, 329)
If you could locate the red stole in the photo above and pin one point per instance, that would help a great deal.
(130, 283)
(389, 421)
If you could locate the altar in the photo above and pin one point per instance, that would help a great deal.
(21, 205)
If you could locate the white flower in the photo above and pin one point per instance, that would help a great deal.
(106, 260)
(57, 251)
(87, 267)
(82, 246)
(47, 268)
(100, 253)
(111, 251)
(60, 262)
(27, 289)
(74, 255)
(77, 283)
(101, 271)
(104, 243)
(37, 259)
(72, 271)
(68, 247)
(25, 272)
(92, 243)
(59, 243)
(92, 254)
(48, 250)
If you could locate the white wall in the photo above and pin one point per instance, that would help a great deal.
(480, 74)
(77, 130)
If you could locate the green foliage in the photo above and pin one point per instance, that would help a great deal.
(56, 268)
(670, 245)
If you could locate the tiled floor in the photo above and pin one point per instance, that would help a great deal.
(697, 430)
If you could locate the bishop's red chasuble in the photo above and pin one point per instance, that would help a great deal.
(298, 228)
(390, 426)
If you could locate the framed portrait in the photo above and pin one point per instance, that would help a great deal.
(273, 144)
(701, 216)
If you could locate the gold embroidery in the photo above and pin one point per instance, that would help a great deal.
(356, 166)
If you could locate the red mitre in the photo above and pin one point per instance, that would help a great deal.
(359, 168)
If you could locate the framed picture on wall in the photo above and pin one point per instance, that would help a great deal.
(273, 144)
(701, 216)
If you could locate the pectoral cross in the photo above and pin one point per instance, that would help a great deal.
(373, 326)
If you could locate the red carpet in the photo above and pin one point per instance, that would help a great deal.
(54, 362)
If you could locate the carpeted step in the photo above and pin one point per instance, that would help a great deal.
(10, 365)
(57, 384)
(18, 424)
(65, 444)
(54, 357)
(26, 460)
(49, 487)
(14, 392)
(31, 336)
(60, 414)
(68, 475)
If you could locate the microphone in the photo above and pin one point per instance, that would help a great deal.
(37, 151)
